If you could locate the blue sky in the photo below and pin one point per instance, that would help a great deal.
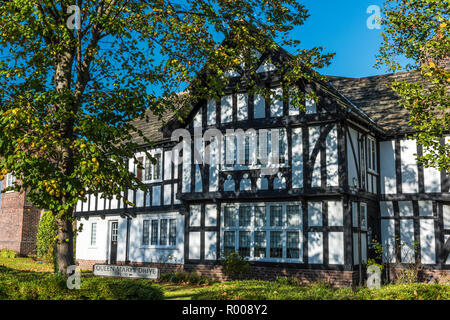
(340, 25)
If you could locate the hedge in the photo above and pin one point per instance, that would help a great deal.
(22, 285)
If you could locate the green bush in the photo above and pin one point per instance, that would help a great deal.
(20, 285)
(186, 278)
(235, 266)
(45, 239)
(9, 254)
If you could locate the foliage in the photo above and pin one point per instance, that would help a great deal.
(22, 285)
(186, 278)
(406, 271)
(45, 238)
(419, 31)
(235, 266)
(267, 290)
(7, 253)
(69, 95)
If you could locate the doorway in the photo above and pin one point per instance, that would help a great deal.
(113, 242)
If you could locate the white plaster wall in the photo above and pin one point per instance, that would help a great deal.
(427, 241)
(148, 253)
(335, 213)
(387, 167)
(336, 247)
(351, 163)
(407, 240)
(315, 247)
(242, 106)
(314, 133)
(211, 112)
(276, 105)
(388, 238)
(409, 169)
(84, 250)
(297, 158)
(332, 158)
(226, 109)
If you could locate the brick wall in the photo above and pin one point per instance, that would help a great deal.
(18, 223)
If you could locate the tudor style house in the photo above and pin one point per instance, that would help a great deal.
(345, 175)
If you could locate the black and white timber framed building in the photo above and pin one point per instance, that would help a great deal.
(347, 175)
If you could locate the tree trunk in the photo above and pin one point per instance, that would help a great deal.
(64, 245)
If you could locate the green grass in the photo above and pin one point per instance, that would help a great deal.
(24, 278)
(281, 290)
(26, 264)
(180, 291)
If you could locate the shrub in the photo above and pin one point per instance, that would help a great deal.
(9, 254)
(45, 239)
(235, 266)
(20, 285)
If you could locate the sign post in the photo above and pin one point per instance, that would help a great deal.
(125, 271)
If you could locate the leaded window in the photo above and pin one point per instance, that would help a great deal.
(172, 232)
(154, 233)
(244, 243)
(229, 216)
(229, 242)
(276, 247)
(260, 216)
(276, 218)
(245, 216)
(293, 215)
(146, 232)
(163, 233)
(292, 246)
(260, 244)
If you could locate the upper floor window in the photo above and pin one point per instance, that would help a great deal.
(372, 154)
(10, 180)
(153, 170)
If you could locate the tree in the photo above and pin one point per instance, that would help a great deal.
(73, 76)
(418, 30)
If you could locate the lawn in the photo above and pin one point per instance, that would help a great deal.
(34, 280)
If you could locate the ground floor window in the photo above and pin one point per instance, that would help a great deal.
(263, 231)
(159, 232)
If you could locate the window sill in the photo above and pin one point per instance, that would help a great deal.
(158, 247)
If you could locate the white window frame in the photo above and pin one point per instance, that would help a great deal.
(93, 244)
(152, 166)
(158, 218)
(253, 140)
(10, 181)
(284, 228)
(372, 164)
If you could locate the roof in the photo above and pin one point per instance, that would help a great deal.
(151, 129)
(374, 96)
(371, 95)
